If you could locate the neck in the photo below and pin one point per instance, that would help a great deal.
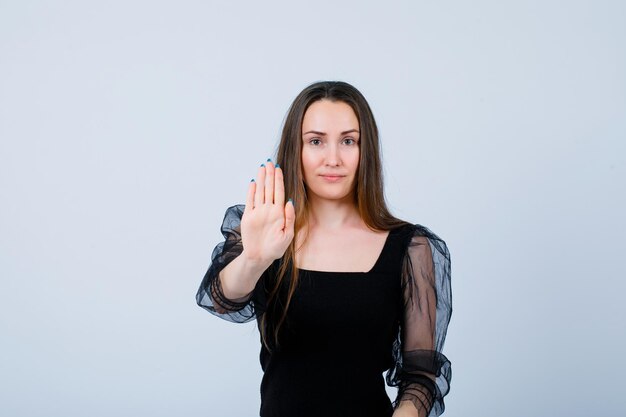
(332, 214)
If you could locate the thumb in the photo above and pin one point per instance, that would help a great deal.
(290, 217)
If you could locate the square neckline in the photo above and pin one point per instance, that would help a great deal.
(372, 269)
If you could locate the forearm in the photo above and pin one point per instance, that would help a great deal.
(240, 276)
(416, 399)
(407, 409)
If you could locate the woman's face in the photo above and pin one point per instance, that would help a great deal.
(330, 149)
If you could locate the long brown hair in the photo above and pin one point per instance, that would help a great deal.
(369, 194)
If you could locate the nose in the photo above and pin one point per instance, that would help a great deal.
(332, 155)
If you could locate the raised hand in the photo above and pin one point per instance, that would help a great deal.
(267, 225)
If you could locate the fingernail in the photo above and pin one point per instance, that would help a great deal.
(291, 202)
(252, 180)
(277, 165)
(269, 159)
(262, 165)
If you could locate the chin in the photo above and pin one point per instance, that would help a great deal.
(327, 192)
(330, 196)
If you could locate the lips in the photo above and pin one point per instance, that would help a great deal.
(332, 177)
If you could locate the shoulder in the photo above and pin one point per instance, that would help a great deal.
(420, 238)
(231, 223)
(235, 211)
(413, 230)
(233, 215)
(426, 258)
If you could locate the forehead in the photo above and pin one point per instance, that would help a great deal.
(326, 115)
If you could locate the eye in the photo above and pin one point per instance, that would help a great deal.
(350, 141)
(315, 141)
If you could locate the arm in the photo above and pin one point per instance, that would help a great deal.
(265, 228)
(422, 373)
(406, 409)
(238, 279)
(228, 285)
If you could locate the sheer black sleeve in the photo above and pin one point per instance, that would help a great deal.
(422, 373)
(210, 295)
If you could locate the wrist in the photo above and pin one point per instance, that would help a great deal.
(407, 409)
(254, 266)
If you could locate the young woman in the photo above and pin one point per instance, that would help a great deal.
(342, 291)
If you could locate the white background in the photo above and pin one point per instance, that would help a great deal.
(128, 127)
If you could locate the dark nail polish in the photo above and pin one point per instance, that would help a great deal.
(252, 180)
(277, 165)
(269, 159)
(262, 165)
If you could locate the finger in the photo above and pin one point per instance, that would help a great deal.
(290, 219)
(279, 187)
(250, 196)
(269, 182)
(259, 192)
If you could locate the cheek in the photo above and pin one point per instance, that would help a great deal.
(307, 164)
(354, 159)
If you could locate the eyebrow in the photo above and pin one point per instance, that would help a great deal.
(324, 134)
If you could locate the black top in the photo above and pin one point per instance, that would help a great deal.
(344, 329)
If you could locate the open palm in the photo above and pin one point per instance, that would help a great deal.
(267, 224)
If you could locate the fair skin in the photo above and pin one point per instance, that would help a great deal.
(407, 409)
(338, 239)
